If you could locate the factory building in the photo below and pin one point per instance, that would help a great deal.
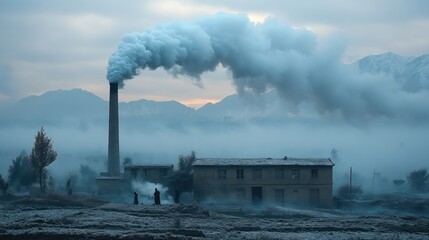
(296, 182)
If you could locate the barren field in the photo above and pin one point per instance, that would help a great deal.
(32, 218)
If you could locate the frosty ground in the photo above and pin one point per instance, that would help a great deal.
(90, 218)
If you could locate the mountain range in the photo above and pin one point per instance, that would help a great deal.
(82, 109)
(412, 73)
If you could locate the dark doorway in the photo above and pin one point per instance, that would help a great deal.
(257, 196)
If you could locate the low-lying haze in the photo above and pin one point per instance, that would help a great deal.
(150, 134)
(374, 111)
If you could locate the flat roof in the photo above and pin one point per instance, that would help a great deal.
(263, 162)
(148, 166)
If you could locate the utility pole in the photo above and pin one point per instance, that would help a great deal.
(374, 174)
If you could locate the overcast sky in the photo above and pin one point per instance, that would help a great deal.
(49, 45)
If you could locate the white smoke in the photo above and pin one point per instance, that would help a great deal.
(145, 191)
(271, 55)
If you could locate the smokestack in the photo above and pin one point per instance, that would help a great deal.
(113, 154)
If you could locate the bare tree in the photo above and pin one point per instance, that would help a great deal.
(418, 179)
(3, 186)
(182, 180)
(41, 156)
(185, 162)
(334, 155)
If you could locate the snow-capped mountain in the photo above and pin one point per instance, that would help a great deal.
(412, 73)
(388, 63)
(416, 74)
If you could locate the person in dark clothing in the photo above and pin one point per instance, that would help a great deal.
(136, 198)
(157, 197)
(69, 188)
(176, 197)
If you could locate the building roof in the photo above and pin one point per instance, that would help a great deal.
(134, 166)
(263, 162)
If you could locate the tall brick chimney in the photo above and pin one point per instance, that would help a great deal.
(113, 154)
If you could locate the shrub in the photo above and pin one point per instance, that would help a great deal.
(417, 179)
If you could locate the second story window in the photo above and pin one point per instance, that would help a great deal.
(257, 173)
(221, 174)
(295, 174)
(240, 173)
(314, 173)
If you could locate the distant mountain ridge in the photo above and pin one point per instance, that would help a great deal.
(53, 106)
(411, 72)
(79, 107)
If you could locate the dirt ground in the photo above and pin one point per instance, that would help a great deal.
(89, 218)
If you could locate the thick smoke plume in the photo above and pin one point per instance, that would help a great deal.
(303, 69)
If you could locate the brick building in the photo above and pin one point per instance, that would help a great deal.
(301, 182)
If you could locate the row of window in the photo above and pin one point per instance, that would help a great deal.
(150, 173)
(257, 174)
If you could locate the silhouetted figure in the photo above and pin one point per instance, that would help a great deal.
(69, 188)
(176, 197)
(157, 197)
(136, 198)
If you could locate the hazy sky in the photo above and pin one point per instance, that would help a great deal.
(49, 45)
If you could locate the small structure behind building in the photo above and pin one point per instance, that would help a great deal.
(154, 173)
(299, 182)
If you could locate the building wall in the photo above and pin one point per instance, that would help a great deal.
(113, 186)
(148, 173)
(280, 185)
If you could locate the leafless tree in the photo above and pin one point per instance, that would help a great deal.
(3, 185)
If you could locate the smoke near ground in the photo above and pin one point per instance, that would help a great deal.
(301, 67)
(145, 191)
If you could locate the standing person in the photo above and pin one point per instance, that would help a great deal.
(176, 197)
(69, 188)
(136, 198)
(157, 197)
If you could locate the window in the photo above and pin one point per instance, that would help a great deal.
(257, 173)
(146, 172)
(313, 173)
(280, 174)
(279, 197)
(240, 173)
(295, 174)
(221, 174)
